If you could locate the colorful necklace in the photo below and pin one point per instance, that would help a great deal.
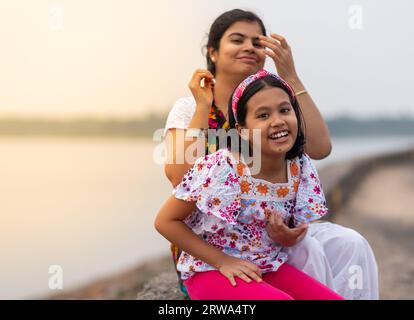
(216, 120)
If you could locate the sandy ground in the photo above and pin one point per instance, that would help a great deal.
(380, 209)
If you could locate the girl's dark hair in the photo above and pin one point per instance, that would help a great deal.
(252, 89)
(221, 24)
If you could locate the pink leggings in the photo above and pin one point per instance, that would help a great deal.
(287, 283)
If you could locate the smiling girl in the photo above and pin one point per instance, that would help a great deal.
(219, 211)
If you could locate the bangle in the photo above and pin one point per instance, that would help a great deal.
(195, 133)
(300, 92)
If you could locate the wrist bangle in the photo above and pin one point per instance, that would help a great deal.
(300, 92)
(195, 133)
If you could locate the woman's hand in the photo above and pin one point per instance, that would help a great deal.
(203, 95)
(231, 267)
(279, 232)
(277, 48)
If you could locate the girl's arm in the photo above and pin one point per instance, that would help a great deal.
(169, 223)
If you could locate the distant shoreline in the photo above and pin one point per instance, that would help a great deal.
(145, 127)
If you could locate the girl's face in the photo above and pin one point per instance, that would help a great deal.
(270, 111)
(240, 51)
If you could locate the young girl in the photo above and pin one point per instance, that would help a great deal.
(219, 212)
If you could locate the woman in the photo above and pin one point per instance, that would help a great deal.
(237, 47)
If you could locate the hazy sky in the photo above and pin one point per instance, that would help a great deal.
(124, 57)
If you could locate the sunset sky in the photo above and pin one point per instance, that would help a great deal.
(120, 58)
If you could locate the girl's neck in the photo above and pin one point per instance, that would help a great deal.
(223, 88)
(273, 169)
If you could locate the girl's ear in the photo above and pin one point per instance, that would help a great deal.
(242, 133)
(238, 128)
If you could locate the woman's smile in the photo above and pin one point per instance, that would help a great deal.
(248, 59)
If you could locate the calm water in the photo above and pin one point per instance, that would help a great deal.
(88, 206)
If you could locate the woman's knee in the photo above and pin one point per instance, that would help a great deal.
(332, 235)
(347, 240)
(309, 250)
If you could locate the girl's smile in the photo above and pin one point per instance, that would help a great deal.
(280, 136)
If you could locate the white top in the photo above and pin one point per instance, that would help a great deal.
(181, 114)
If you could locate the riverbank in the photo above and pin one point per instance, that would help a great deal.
(381, 210)
(351, 189)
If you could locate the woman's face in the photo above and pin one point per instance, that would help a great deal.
(240, 51)
(271, 112)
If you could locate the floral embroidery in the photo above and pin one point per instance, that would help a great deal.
(282, 192)
(216, 201)
(205, 184)
(245, 186)
(294, 170)
(240, 169)
(262, 189)
(295, 186)
(245, 248)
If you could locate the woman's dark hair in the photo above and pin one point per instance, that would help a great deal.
(251, 90)
(221, 24)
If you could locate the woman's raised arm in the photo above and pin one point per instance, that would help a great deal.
(176, 146)
(176, 142)
(318, 141)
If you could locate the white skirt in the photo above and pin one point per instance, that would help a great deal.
(340, 258)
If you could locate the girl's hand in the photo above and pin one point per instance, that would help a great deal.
(279, 232)
(231, 267)
(203, 95)
(277, 48)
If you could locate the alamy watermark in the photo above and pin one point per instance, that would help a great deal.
(56, 277)
(355, 21)
(356, 280)
(187, 149)
(55, 19)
